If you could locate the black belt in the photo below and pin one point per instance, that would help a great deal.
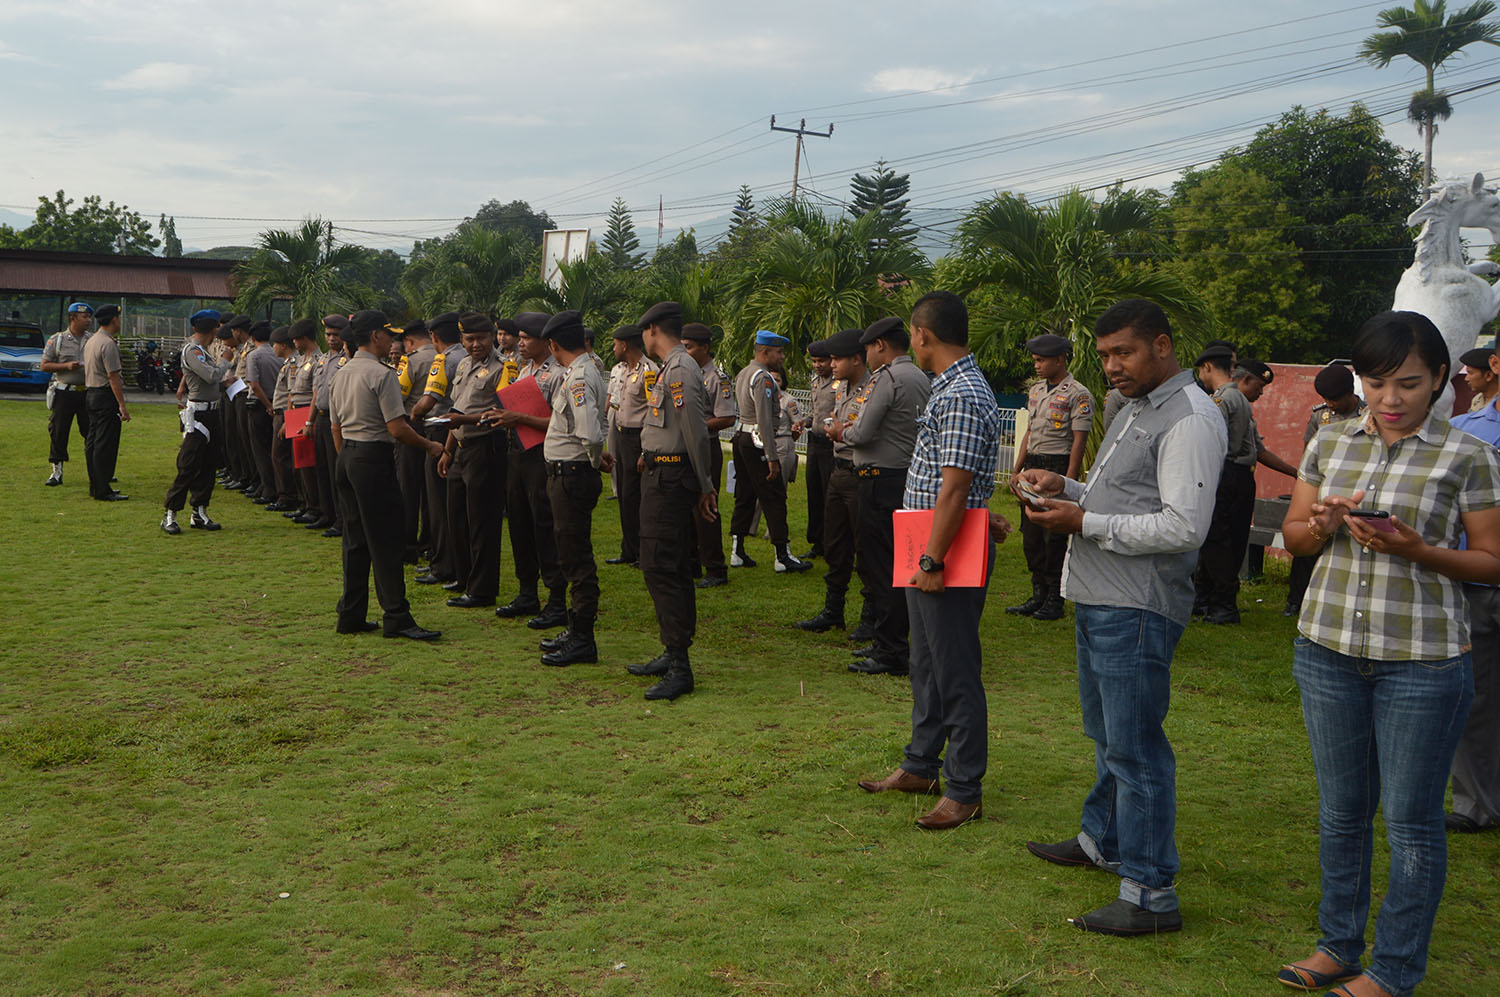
(843, 463)
(658, 459)
(68, 387)
(819, 441)
(360, 444)
(871, 471)
(1234, 465)
(557, 468)
(630, 429)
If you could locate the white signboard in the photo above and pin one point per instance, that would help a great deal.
(566, 245)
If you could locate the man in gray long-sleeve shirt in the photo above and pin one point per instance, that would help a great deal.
(1137, 526)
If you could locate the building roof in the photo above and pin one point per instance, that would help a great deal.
(32, 271)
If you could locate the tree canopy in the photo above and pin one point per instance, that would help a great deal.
(89, 227)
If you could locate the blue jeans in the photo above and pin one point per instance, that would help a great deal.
(1124, 686)
(1382, 733)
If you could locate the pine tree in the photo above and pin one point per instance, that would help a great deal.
(886, 193)
(744, 212)
(620, 243)
(171, 246)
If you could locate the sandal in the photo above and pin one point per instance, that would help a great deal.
(1302, 978)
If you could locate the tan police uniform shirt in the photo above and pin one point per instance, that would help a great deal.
(719, 391)
(1235, 407)
(823, 391)
(1324, 415)
(1054, 413)
(577, 427)
(847, 398)
(473, 391)
(202, 373)
(884, 431)
(630, 394)
(414, 378)
(282, 396)
(759, 399)
(64, 347)
(364, 397)
(302, 377)
(676, 415)
(262, 366)
(101, 357)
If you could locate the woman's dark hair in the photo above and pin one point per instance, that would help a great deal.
(1385, 341)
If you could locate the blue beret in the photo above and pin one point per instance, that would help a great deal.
(764, 338)
(206, 313)
(80, 306)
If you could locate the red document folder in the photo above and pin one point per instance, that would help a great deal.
(967, 562)
(294, 419)
(525, 397)
(304, 451)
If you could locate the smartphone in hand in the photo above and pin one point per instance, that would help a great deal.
(1379, 519)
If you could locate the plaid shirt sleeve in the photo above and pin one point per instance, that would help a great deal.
(1482, 486)
(965, 438)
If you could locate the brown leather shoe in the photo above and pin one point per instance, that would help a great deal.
(903, 781)
(948, 814)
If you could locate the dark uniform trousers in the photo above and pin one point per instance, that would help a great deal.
(476, 509)
(101, 448)
(881, 492)
(840, 520)
(948, 702)
(237, 438)
(441, 561)
(411, 478)
(630, 493)
(365, 479)
(67, 405)
(327, 459)
(1218, 574)
(281, 461)
(261, 424)
(197, 460)
(711, 533)
(819, 470)
(533, 547)
(1044, 549)
(751, 486)
(573, 488)
(307, 485)
(669, 491)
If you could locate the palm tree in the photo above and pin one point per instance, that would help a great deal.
(812, 276)
(591, 285)
(1057, 267)
(472, 269)
(305, 266)
(1423, 34)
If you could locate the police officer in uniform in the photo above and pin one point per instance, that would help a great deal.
(236, 411)
(676, 488)
(411, 462)
(819, 445)
(62, 357)
(757, 467)
(202, 426)
(332, 362)
(367, 422)
(635, 383)
(1060, 416)
(850, 377)
(532, 544)
(473, 463)
(309, 359)
(574, 452)
(105, 397)
(261, 367)
(719, 390)
(435, 404)
(883, 433)
(281, 447)
(224, 350)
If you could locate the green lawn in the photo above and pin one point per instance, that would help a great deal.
(183, 739)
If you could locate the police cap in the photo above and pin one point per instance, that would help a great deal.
(240, 322)
(445, 325)
(223, 332)
(1222, 354)
(202, 315)
(767, 338)
(305, 328)
(367, 320)
(565, 329)
(281, 334)
(1253, 368)
(1334, 381)
(698, 332)
(416, 327)
(1048, 345)
(845, 344)
(507, 325)
(106, 314)
(889, 328)
(1477, 358)
(475, 322)
(337, 322)
(661, 311)
(817, 349)
(84, 306)
(626, 332)
(262, 324)
(532, 323)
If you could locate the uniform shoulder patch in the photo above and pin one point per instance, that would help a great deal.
(578, 389)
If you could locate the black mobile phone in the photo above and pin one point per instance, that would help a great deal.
(1380, 519)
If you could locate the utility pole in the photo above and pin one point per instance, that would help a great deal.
(799, 131)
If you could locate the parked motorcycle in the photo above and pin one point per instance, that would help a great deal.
(174, 369)
(149, 374)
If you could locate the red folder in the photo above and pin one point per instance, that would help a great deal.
(967, 562)
(525, 397)
(295, 419)
(304, 451)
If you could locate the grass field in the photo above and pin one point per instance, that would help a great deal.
(183, 740)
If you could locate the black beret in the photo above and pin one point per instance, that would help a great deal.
(698, 332)
(845, 344)
(882, 328)
(335, 322)
(240, 322)
(817, 349)
(566, 328)
(532, 323)
(367, 320)
(262, 324)
(447, 321)
(305, 328)
(1477, 357)
(1048, 345)
(1212, 352)
(260, 331)
(507, 325)
(660, 311)
(1334, 381)
(106, 314)
(475, 322)
(415, 327)
(223, 332)
(1254, 368)
(282, 334)
(628, 332)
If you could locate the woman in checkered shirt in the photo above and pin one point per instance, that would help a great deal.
(1382, 659)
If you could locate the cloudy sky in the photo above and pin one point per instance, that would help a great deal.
(397, 119)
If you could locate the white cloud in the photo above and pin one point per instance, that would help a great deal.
(155, 76)
(906, 78)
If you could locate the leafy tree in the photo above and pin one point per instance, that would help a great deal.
(884, 192)
(601, 293)
(222, 253)
(620, 243)
(680, 253)
(517, 215)
(91, 227)
(1428, 36)
(1233, 238)
(473, 268)
(171, 246)
(304, 265)
(746, 229)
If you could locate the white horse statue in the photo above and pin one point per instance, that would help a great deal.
(1438, 284)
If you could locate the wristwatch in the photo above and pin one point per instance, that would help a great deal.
(928, 565)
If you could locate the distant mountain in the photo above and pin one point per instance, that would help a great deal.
(16, 219)
(221, 253)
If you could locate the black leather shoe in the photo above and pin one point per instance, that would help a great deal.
(622, 559)
(453, 586)
(713, 581)
(320, 524)
(293, 514)
(233, 485)
(1029, 606)
(823, 622)
(863, 633)
(863, 652)
(368, 626)
(1068, 852)
(332, 531)
(580, 649)
(521, 605)
(1292, 609)
(873, 666)
(276, 507)
(554, 642)
(261, 500)
(817, 551)
(1462, 824)
(1051, 609)
(468, 602)
(432, 580)
(112, 497)
(1222, 617)
(656, 666)
(677, 682)
(551, 616)
(1125, 919)
(306, 519)
(416, 633)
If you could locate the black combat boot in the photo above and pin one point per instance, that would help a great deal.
(1051, 607)
(1038, 596)
(554, 614)
(677, 682)
(580, 648)
(557, 640)
(656, 666)
(831, 616)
